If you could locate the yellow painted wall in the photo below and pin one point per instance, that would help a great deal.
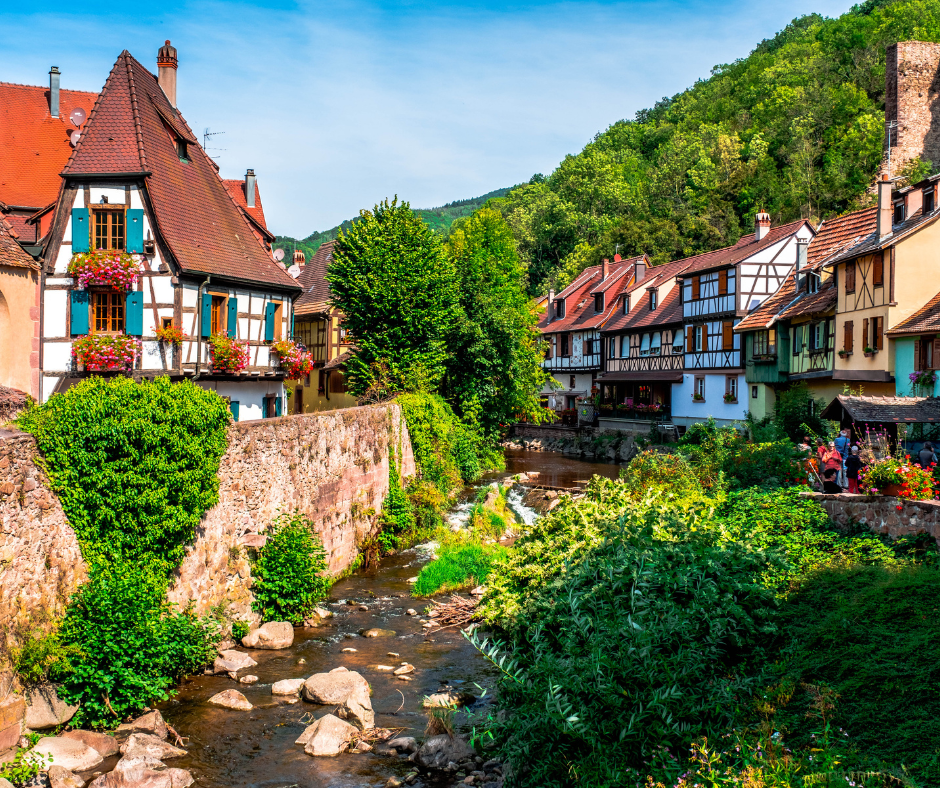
(19, 329)
(916, 262)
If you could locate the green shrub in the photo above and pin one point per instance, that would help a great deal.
(289, 574)
(24, 766)
(135, 465)
(651, 470)
(42, 658)
(872, 634)
(240, 629)
(458, 566)
(133, 645)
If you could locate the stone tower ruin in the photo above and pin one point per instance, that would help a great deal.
(912, 105)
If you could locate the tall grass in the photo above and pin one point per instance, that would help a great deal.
(458, 565)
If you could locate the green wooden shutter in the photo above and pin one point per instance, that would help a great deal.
(78, 303)
(233, 407)
(269, 322)
(135, 230)
(80, 231)
(231, 323)
(206, 314)
(277, 406)
(134, 313)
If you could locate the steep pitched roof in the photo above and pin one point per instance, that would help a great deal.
(640, 316)
(924, 320)
(579, 299)
(133, 129)
(312, 279)
(746, 247)
(823, 300)
(236, 188)
(35, 145)
(11, 253)
(870, 242)
(840, 234)
(767, 313)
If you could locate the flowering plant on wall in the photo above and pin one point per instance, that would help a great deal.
(898, 477)
(923, 377)
(106, 267)
(296, 361)
(171, 335)
(227, 354)
(103, 352)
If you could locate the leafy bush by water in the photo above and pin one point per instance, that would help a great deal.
(458, 566)
(289, 575)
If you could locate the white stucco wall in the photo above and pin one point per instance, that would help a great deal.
(686, 412)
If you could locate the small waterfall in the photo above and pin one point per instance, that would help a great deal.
(524, 514)
(459, 516)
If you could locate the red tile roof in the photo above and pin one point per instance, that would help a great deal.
(840, 234)
(615, 274)
(236, 188)
(579, 301)
(312, 279)
(743, 249)
(128, 132)
(34, 145)
(768, 312)
(667, 312)
(11, 253)
(924, 320)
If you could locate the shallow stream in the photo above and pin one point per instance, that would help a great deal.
(233, 749)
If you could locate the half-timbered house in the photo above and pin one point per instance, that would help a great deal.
(571, 327)
(719, 288)
(139, 193)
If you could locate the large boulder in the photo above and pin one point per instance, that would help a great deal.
(273, 635)
(44, 708)
(230, 661)
(439, 752)
(104, 744)
(375, 632)
(143, 773)
(151, 722)
(71, 754)
(60, 777)
(346, 689)
(231, 699)
(145, 745)
(287, 686)
(329, 735)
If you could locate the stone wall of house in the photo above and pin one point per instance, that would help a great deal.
(331, 466)
(912, 99)
(885, 515)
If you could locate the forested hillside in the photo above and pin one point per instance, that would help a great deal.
(438, 219)
(795, 128)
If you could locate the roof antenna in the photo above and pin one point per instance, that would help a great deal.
(205, 141)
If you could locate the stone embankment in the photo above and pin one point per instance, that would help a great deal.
(883, 514)
(332, 466)
(611, 447)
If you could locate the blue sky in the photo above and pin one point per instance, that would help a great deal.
(339, 104)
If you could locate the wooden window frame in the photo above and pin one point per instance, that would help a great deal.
(565, 350)
(697, 384)
(653, 297)
(878, 333)
(598, 303)
(878, 270)
(850, 274)
(848, 335)
(731, 387)
(218, 313)
(279, 324)
(111, 241)
(118, 304)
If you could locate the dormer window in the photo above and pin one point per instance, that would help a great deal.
(812, 282)
(653, 298)
(560, 308)
(182, 149)
(899, 212)
(599, 302)
(928, 200)
(626, 303)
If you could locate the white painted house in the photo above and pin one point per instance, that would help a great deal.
(139, 186)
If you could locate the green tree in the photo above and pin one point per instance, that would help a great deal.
(398, 291)
(494, 370)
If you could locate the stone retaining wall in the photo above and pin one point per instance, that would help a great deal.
(333, 466)
(885, 515)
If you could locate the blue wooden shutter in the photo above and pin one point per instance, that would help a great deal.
(134, 314)
(233, 406)
(78, 303)
(135, 230)
(231, 323)
(206, 314)
(277, 406)
(80, 231)
(269, 311)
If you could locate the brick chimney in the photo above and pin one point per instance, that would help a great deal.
(761, 225)
(640, 270)
(166, 71)
(605, 267)
(885, 208)
(300, 259)
(250, 188)
(54, 92)
(551, 304)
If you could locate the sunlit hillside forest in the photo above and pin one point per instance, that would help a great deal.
(796, 128)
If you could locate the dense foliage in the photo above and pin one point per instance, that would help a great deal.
(494, 369)
(397, 289)
(457, 566)
(135, 465)
(289, 573)
(795, 128)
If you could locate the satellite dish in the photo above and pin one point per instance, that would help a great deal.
(279, 254)
(78, 116)
(294, 271)
(74, 137)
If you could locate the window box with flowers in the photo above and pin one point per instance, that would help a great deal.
(923, 380)
(105, 268)
(696, 397)
(171, 335)
(227, 354)
(730, 399)
(105, 352)
(869, 352)
(295, 361)
(844, 353)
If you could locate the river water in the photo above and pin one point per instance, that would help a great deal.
(234, 749)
